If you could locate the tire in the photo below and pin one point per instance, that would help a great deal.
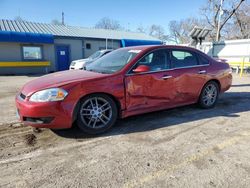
(209, 95)
(97, 114)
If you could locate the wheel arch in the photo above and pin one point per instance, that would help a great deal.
(77, 106)
(216, 81)
(212, 80)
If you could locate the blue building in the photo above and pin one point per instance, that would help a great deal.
(28, 47)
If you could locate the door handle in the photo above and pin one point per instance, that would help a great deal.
(202, 72)
(166, 77)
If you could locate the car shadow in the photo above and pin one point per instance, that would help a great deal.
(229, 105)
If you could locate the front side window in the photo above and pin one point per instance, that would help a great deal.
(181, 58)
(32, 52)
(156, 60)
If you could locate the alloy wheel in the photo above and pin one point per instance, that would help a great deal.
(96, 112)
(210, 95)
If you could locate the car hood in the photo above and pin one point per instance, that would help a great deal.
(58, 79)
(82, 60)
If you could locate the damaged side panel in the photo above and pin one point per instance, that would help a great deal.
(150, 91)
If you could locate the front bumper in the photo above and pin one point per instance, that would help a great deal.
(53, 115)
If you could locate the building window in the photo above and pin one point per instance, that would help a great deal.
(88, 46)
(32, 52)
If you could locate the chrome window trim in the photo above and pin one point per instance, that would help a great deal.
(169, 49)
(131, 74)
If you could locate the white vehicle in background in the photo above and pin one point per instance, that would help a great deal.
(81, 63)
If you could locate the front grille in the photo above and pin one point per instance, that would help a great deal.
(22, 96)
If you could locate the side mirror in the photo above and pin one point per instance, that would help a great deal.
(141, 68)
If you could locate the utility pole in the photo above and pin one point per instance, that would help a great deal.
(62, 18)
(219, 20)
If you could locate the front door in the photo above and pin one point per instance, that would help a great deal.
(151, 90)
(62, 54)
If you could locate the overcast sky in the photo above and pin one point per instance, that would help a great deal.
(130, 13)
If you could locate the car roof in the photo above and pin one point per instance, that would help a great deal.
(146, 47)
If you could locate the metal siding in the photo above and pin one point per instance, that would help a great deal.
(2, 25)
(19, 26)
(37, 30)
(16, 27)
(24, 26)
(11, 26)
(7, 28)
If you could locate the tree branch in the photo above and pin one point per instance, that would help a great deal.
(231, 14)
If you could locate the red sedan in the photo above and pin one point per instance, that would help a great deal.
(126, 82)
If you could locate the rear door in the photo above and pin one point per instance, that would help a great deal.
(190, 75)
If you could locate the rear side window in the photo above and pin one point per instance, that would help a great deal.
(203, 60)
(181, 58)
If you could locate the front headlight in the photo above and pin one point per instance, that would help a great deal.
(53, 94)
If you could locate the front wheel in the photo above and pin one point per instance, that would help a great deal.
(209, 95)
(97, 114)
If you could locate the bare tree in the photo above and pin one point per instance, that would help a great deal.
(242, 21)
(158, 31)
(107, 23)
(141, 29)
(179, 30)
(213, 12)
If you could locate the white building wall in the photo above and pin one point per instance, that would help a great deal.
(233, 51)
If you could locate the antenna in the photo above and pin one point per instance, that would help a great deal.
(62, 18)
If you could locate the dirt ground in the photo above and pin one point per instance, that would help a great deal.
(183, 147)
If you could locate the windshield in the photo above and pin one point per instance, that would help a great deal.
(113, 62)
(95, 55)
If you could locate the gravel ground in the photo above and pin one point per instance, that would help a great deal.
(183, 147)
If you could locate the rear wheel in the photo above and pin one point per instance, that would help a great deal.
(97, 114)
(209, 95)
